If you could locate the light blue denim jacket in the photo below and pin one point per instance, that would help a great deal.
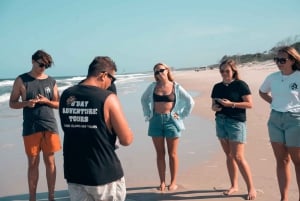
(183, 105)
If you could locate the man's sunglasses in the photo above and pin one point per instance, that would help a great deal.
(112, 78)
(280, 60)
(159, 71)
(42, 65)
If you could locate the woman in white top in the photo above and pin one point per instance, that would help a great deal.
(281, 90)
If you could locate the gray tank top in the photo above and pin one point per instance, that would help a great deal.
(41, 117)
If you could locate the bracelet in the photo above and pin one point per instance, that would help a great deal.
(233, 106)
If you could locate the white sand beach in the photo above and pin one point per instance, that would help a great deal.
(202, 173)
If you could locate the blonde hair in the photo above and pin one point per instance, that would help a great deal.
(293, 55)
(232, 64)
(170, 76)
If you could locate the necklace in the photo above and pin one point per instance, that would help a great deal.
(227, 83)
(284, 77)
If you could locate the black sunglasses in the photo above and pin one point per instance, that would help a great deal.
(159, 71)
(112, 78)
(280, 60)
(224, 71)
(42, 65)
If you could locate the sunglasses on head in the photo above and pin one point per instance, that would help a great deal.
(159, 71)
(42, 65)
(280, 60)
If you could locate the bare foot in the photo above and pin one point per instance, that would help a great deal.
(251, 195)
(230, 191)
(172, 187)
(51, 197)
(162, 187)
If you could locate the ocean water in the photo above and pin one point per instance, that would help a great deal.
(198, 141)
(123, 81)
(11, 119)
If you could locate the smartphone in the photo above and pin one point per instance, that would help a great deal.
(217, 101)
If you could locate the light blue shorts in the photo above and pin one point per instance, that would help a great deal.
(162, 125)
(284, 127)
(230, 129)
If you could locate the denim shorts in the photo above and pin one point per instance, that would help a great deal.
(162, 125)
(230, 129)
(110, 192)
(284, 127)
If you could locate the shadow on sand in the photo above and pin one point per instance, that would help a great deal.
(139, 194)
(59, 196)
(151, 194)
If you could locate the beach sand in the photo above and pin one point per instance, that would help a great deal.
(208, 179)
(202, 173)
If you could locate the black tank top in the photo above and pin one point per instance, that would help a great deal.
(165, 98)
(41, 117)
(89, 146)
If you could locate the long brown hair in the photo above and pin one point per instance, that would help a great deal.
(232, 64)
(293, 55)
(170, 76)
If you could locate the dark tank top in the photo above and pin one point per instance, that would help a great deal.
(41, 117)
(89, 146)
(165, 98)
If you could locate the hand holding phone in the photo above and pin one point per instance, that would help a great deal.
(217, 101)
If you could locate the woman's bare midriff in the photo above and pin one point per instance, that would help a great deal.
(163, 107)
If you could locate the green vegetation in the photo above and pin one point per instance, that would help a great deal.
(293, 41)
(266, 55)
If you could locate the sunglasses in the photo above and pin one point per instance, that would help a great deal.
(159, 71)
(224, 71)
(112, 78)
(42, 65)
(280, 60)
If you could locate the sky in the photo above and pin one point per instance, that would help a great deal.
(137, 34)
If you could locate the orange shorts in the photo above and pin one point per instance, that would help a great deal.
(45, 141)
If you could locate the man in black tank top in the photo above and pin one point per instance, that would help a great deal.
(92, 120)
(39, 95)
